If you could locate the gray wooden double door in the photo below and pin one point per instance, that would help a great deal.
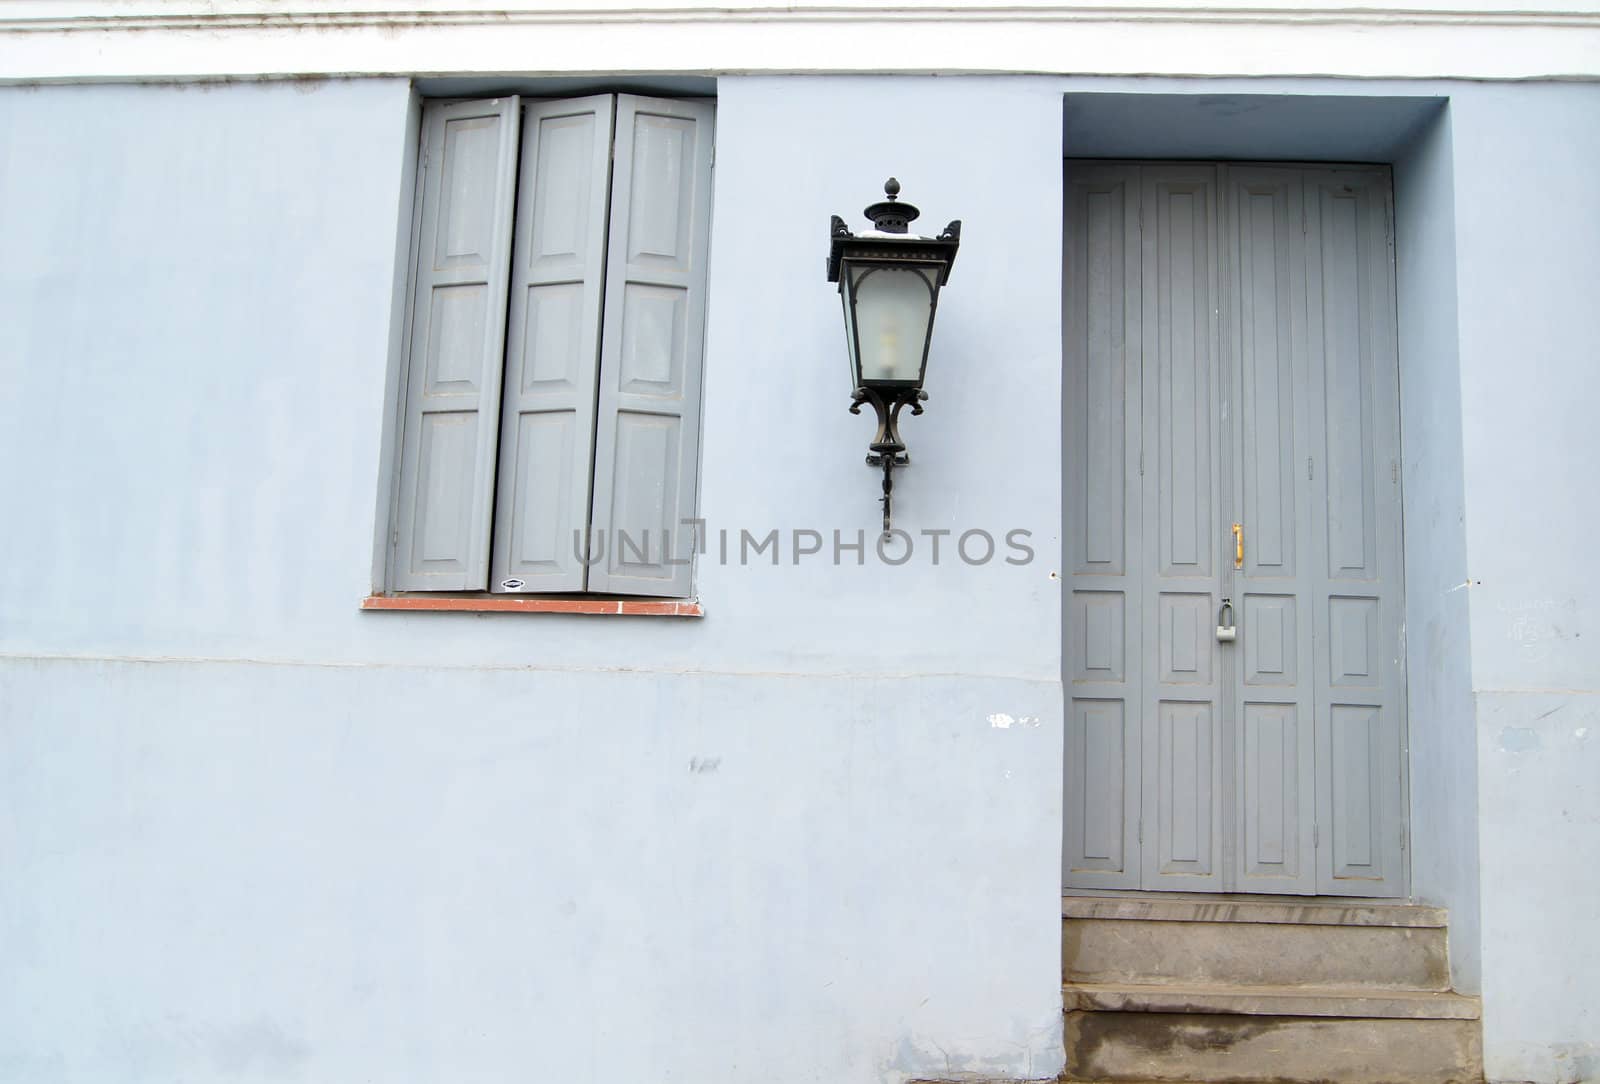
(1232, 435)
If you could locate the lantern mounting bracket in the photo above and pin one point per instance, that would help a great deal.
(887, 450)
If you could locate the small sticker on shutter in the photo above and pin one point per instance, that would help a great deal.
(511, 585)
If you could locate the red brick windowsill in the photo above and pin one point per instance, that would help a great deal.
(625, 607)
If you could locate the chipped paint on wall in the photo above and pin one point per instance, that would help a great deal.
(1002, 721)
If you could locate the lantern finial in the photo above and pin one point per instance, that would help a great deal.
(891, 216)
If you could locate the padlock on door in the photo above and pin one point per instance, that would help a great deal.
(1226, 632)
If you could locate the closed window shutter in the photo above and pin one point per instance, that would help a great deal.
(552, 346)
(647, 428)
(457, 342)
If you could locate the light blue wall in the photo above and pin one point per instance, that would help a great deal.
(1440, 718)
(252, 833)
(248, 831)
(1528, 247)
(213, 263)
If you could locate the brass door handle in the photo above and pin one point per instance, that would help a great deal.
(1238, 545)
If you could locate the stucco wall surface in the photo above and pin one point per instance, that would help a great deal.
(1440, 736)
(249, 832)
(239, 872)
(1528, 244)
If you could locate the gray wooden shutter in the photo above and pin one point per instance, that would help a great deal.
(1104, 668)
(647, 432)
(456, 345)
(1356, 561)
(553, 346)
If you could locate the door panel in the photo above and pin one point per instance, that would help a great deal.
(1274, 764)
(1181, 498)
(1359, 683)
(1230, 359)
(1104, 665)
(1185, 801)
(1272, 797)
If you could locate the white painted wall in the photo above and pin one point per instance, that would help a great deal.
(250, 832)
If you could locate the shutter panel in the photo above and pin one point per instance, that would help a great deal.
(1101, 530)
(552, 346)
(455, 349)
(647, 432)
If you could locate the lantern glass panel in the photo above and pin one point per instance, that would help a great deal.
(847, 293)
(893, 313)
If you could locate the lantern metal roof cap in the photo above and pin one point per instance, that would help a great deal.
(889, 238)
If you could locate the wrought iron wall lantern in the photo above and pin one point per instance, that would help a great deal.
(889, 281)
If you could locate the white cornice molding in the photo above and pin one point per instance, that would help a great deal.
(24, 16)
(75, 40)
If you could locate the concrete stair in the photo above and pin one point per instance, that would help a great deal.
(1222, 990)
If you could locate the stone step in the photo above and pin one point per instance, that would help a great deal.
(1199, 908)
(1350, 1001)
(1108, 941)
(1263, 1048)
